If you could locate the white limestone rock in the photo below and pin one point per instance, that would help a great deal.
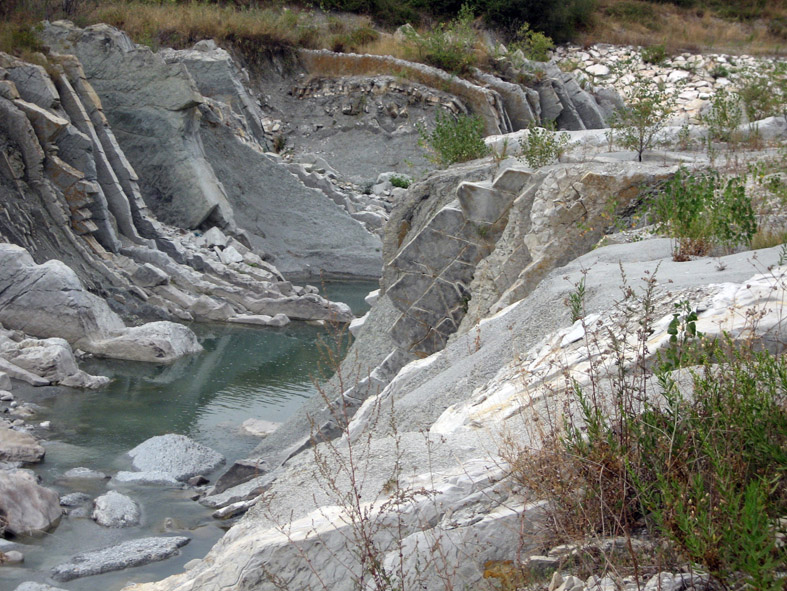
(125, 555)
(114, 509)
(176, 455)
(158, 342)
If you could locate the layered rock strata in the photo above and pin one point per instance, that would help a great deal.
(194, 135)
(73, 201)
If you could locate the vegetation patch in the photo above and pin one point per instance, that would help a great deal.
(453, 139)
(543, 146)
(700, 210)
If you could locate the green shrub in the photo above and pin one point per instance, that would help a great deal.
(400, 182)
(646, 111)
(700, 210)
(708, 469)
(764, 92)
(535, 45)
(353, 40)
(724, 116)
(450, 47)
(558, 20)
(542, 146)
(20, 39)
(454, 139)
(719, 71)
(654, 54)
(633, 12)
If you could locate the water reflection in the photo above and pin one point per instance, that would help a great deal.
(243, 373)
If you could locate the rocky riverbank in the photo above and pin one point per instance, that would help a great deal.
(140, 191)
(692, 79)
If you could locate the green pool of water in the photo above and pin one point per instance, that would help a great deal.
(243, 373)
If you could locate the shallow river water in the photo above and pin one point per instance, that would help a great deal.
(243, 373)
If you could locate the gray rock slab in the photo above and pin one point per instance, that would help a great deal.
(125, 555)
(74, 499)
(154, 342)
(49, 300)
(176, 455)
(31, 586)
(52, 359)
(302, 228)
(21, 374)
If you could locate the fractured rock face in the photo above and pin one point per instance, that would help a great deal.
(54, 360)
(200, 158)
(49, 301)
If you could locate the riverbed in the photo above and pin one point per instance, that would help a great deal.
(243, 373)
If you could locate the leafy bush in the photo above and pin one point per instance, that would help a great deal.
(647, 108)
(700, 210)
(400, 182)
(535, 45)
(19, 39)
(724, 116)
(451, 46)
(764, 92)
(542, 146)
(706, 470)
(454, 139)
(654, 54)
(719, 71)
(558, 20)
(699, 463)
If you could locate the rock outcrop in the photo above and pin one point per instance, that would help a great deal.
(48, 300)
(26, 507)
(17, 446)
(194, 135)
(73, 201)
(450, 410)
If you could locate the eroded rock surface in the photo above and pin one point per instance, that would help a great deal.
(193, 134)
(125, 555)
(27, 507)
(114, 509)
(17, 446)
(176, 455)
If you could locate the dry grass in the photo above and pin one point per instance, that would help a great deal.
(766, 238)
(182, 25)
(386, 44)
(637, 22)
